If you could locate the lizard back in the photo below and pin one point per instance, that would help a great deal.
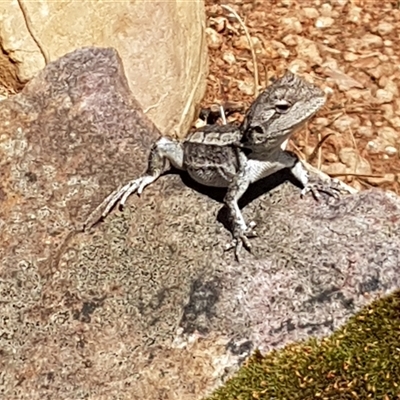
(218, 135)
(211, 164)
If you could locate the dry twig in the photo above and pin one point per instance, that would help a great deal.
(253, 53)
(311, 157)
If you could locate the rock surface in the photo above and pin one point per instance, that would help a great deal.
(148, 305)
(162, 45)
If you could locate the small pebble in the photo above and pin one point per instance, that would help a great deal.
(390, 150)
(214, 39)
(324, 22)
(383, 96)
(384, 28)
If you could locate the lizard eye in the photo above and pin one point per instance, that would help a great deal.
(282, 107)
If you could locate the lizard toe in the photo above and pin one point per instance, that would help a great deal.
(331, 189)
(241, 239)
(145, 181)
(131, 188)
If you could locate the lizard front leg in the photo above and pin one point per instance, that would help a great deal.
(163, 153)
(332, 188)
(250, 171)
(240, 231)
(280, 159)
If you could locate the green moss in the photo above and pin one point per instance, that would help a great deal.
(359, 361)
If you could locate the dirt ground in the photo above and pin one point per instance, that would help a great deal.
(348, 48)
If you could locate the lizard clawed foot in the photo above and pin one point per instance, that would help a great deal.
(241, 238)
(331, 188)
(120, 195)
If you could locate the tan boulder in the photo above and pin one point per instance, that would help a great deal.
(161, 44)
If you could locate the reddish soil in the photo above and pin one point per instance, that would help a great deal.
(348, 48)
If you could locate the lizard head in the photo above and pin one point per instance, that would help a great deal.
(281, 109)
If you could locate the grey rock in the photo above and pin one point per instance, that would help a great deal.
(147, 305)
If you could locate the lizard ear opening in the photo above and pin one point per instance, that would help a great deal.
(257, 134)
(251, 135)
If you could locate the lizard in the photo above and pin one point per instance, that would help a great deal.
(234, 156)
